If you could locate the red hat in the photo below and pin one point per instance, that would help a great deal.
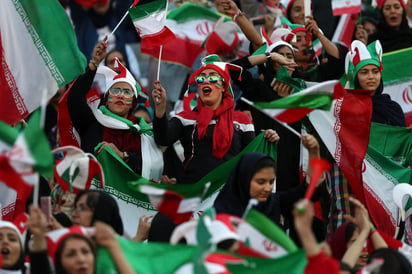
(381, 2)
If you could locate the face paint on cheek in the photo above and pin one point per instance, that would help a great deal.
(295, 14)
(110, 98)
(128, 102)
(218, 85)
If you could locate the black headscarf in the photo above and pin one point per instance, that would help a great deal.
(235, 194)
(384, 110)
(390, 38)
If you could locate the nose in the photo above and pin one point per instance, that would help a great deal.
(74, 213)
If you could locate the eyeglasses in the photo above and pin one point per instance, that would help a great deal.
(213, 79)
(117, 91)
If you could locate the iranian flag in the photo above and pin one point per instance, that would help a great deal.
(344, 30)
(22, 156)
(340, 7)
(149, 19)
(132, 202)
(38, 45)
(397, 79)
(367, 166)
(165, 258)
(294, 107)
(263, 236)
(191, 24)
(178, 202)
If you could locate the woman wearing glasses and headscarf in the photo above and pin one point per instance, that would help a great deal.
(110, 121)
(213, 132)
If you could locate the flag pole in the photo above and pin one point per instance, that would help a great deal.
(118, 24)
(282, 123)
(306, 6)
(158, 63)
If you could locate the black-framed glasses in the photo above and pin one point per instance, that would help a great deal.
(213, 79)
(117, 91)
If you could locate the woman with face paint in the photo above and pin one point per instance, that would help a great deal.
(213, 132)
(393, 31)
(91, 117)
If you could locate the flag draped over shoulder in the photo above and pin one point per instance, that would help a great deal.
(22, 156)
(340, 7)
(149, 19)
(37, 45)
(294, 107)
(191, 24)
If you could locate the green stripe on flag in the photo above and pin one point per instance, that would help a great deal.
(38, 145)
(8, 134)
(270, 230)
(53, 35)
(394, 68)
(189, 11)
(312, 101)
(141, 11)
(293, 263)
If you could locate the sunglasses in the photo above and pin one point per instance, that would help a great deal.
(213, 79)
(117, 91)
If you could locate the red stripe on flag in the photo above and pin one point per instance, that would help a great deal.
(346, 10)
(181, 51)
(353, 121)
(64, 123)
(293, 115)
(157, 39)
(14, 181)
(169, 206)
(12, 107)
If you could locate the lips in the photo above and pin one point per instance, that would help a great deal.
(120, 103)
(206, 90)
(5, 251)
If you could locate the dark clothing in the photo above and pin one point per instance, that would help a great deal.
(198, 153)
(288, 153)
(386, 111)
(92, 132)
(390, 38)
(235, 194)
(40, 263)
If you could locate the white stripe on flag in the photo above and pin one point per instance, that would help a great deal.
(151, 24)
(20, 52)
(188, 205)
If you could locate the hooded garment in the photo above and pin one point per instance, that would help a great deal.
(108, 212)
(390, 38)
(19, 266)
(235, 194)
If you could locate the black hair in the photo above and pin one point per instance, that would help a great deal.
(92, 198)
(126, 61)
(265, 163)
(350, 229)
(393, 261)
(58, 255)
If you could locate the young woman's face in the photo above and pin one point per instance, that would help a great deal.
(77, 257)
(211, 94)
(121, 103)
(363, 257)
(392, 11)
(262, 184)
(111, 56)
(82, 214)
(369, 78)
(297, 12)
(10, 247)
(286, 52)
(301, 44)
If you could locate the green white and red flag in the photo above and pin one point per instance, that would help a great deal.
(340, 7)
(123, 184)
(22, 156)
(264, 237)
(294, 107)
(38, 51)
(149, 19)
(397, 79)
(191, 24)
(344, 30)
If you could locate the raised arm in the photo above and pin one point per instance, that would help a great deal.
(229, 8)
(312, 27)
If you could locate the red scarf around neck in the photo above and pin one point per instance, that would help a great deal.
(223, 132)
